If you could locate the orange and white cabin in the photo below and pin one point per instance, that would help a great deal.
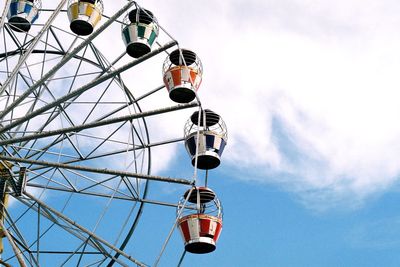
(200, 228)
(84, 15)
(182, 74)
(206, 136)
(23, 13)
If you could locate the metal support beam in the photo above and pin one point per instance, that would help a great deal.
(79, 90)
(84, 230)
(135, 199)
(65, 59)
(132, 101)
(42, 211)
(110, 153)
(21, 182)
(78, 128)
(17, 251)
(4, 14)
(32, 46)
(6, 175)
(97, 124)
(96, 170)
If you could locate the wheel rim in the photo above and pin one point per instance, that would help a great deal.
(87, 147)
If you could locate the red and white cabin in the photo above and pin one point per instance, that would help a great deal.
(200, 229)
(200, 232)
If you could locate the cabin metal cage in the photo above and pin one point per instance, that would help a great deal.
(84, 15)
(206, 136)
(182, 74)
(23, 13)
(139, 32)
(200, 219)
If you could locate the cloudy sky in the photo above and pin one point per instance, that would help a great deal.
(309, 90)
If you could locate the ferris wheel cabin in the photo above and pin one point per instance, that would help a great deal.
(84, 15)
(200, 229)
(139, 32)
(205, 139)
(182, 72)
(22, 14)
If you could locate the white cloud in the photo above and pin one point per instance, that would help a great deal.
(308, 89)
(327, 72)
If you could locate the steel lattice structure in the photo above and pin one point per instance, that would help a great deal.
(75, 145)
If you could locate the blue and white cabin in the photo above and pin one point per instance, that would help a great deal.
(205, 139)
(22, 14)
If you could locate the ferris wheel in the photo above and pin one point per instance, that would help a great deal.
(76, 144)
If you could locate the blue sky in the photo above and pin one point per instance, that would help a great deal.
(264, 225)
(309, 91)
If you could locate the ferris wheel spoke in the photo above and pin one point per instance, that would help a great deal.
(98, 170)
(148, 93)
(77, 252)
(98, 100)
(74, 146)
(131, 148)
(55, 220)
(15, 40)
(21, 148)
(66, 58)
(37, 98)
(15, 152)
(32, 46)
(45, 86)
(5, 58)
(57, 40)
(39, 152)
(96, 124)
(12, 93)
(102, 184)
(70, 183)
(96, 192)
(77, 230)
(132, 101)
(61, 138)
(80, 138)
(75, 92)
(55, 114)
(134, 197)
(15, 238)
(91, 182)
(20, 241)
(89, 194)
(106, 139)
(98, 57)
(89, 156)
(4, 14)
(78, 68)
(120, 196)
(134, 132)
(100, 63)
